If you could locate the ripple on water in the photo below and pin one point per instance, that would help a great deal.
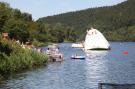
(100, 66)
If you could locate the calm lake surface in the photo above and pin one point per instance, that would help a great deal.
(100, 66)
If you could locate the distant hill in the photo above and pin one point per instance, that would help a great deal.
(116, 22)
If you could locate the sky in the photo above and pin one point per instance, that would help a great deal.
(43, 8)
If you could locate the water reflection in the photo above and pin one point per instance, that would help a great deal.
(99, 66)
(96, 67)
(96, 54)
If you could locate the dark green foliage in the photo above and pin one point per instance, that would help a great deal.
(17, 14)
(56, 33)
(19, 58)
(21, 27)
(4, 14)
(5, 49)
(13, 57)
(14, 22)
(112, 21)
(17, 29)
(115, 22)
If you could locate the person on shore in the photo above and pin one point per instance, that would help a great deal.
(39, 50)
(57, 50)
(42, 50)
(48, 51)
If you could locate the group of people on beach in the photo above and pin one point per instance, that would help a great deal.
(48, 51)
(52, 51)
(38, 49)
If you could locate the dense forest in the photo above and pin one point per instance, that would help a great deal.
(116, 22)
(21, 26)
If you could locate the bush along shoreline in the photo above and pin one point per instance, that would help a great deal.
(13, 58)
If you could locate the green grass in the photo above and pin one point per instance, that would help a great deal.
(18, 59)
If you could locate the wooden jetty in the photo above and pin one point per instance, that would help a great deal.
(54, 54)
(55, 58)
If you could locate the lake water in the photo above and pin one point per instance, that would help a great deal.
(114, 66)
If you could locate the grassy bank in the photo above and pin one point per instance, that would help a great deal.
(39, 44)
(13, 58)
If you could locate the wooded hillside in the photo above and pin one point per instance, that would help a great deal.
(21, 26)
(116, 22)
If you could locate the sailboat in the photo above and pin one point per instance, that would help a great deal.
(95, 40)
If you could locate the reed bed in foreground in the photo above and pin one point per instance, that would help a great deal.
(14, 58)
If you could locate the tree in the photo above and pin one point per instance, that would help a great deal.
(17, 30)
(4, 14)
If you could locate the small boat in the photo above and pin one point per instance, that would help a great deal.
(77, 57)
(77, 45)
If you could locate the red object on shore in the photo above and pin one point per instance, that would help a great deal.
(5, 35)
(125, 52)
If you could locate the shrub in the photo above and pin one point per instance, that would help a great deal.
(38, 43)
(18, 58)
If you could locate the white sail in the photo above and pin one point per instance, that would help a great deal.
(95, 40)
